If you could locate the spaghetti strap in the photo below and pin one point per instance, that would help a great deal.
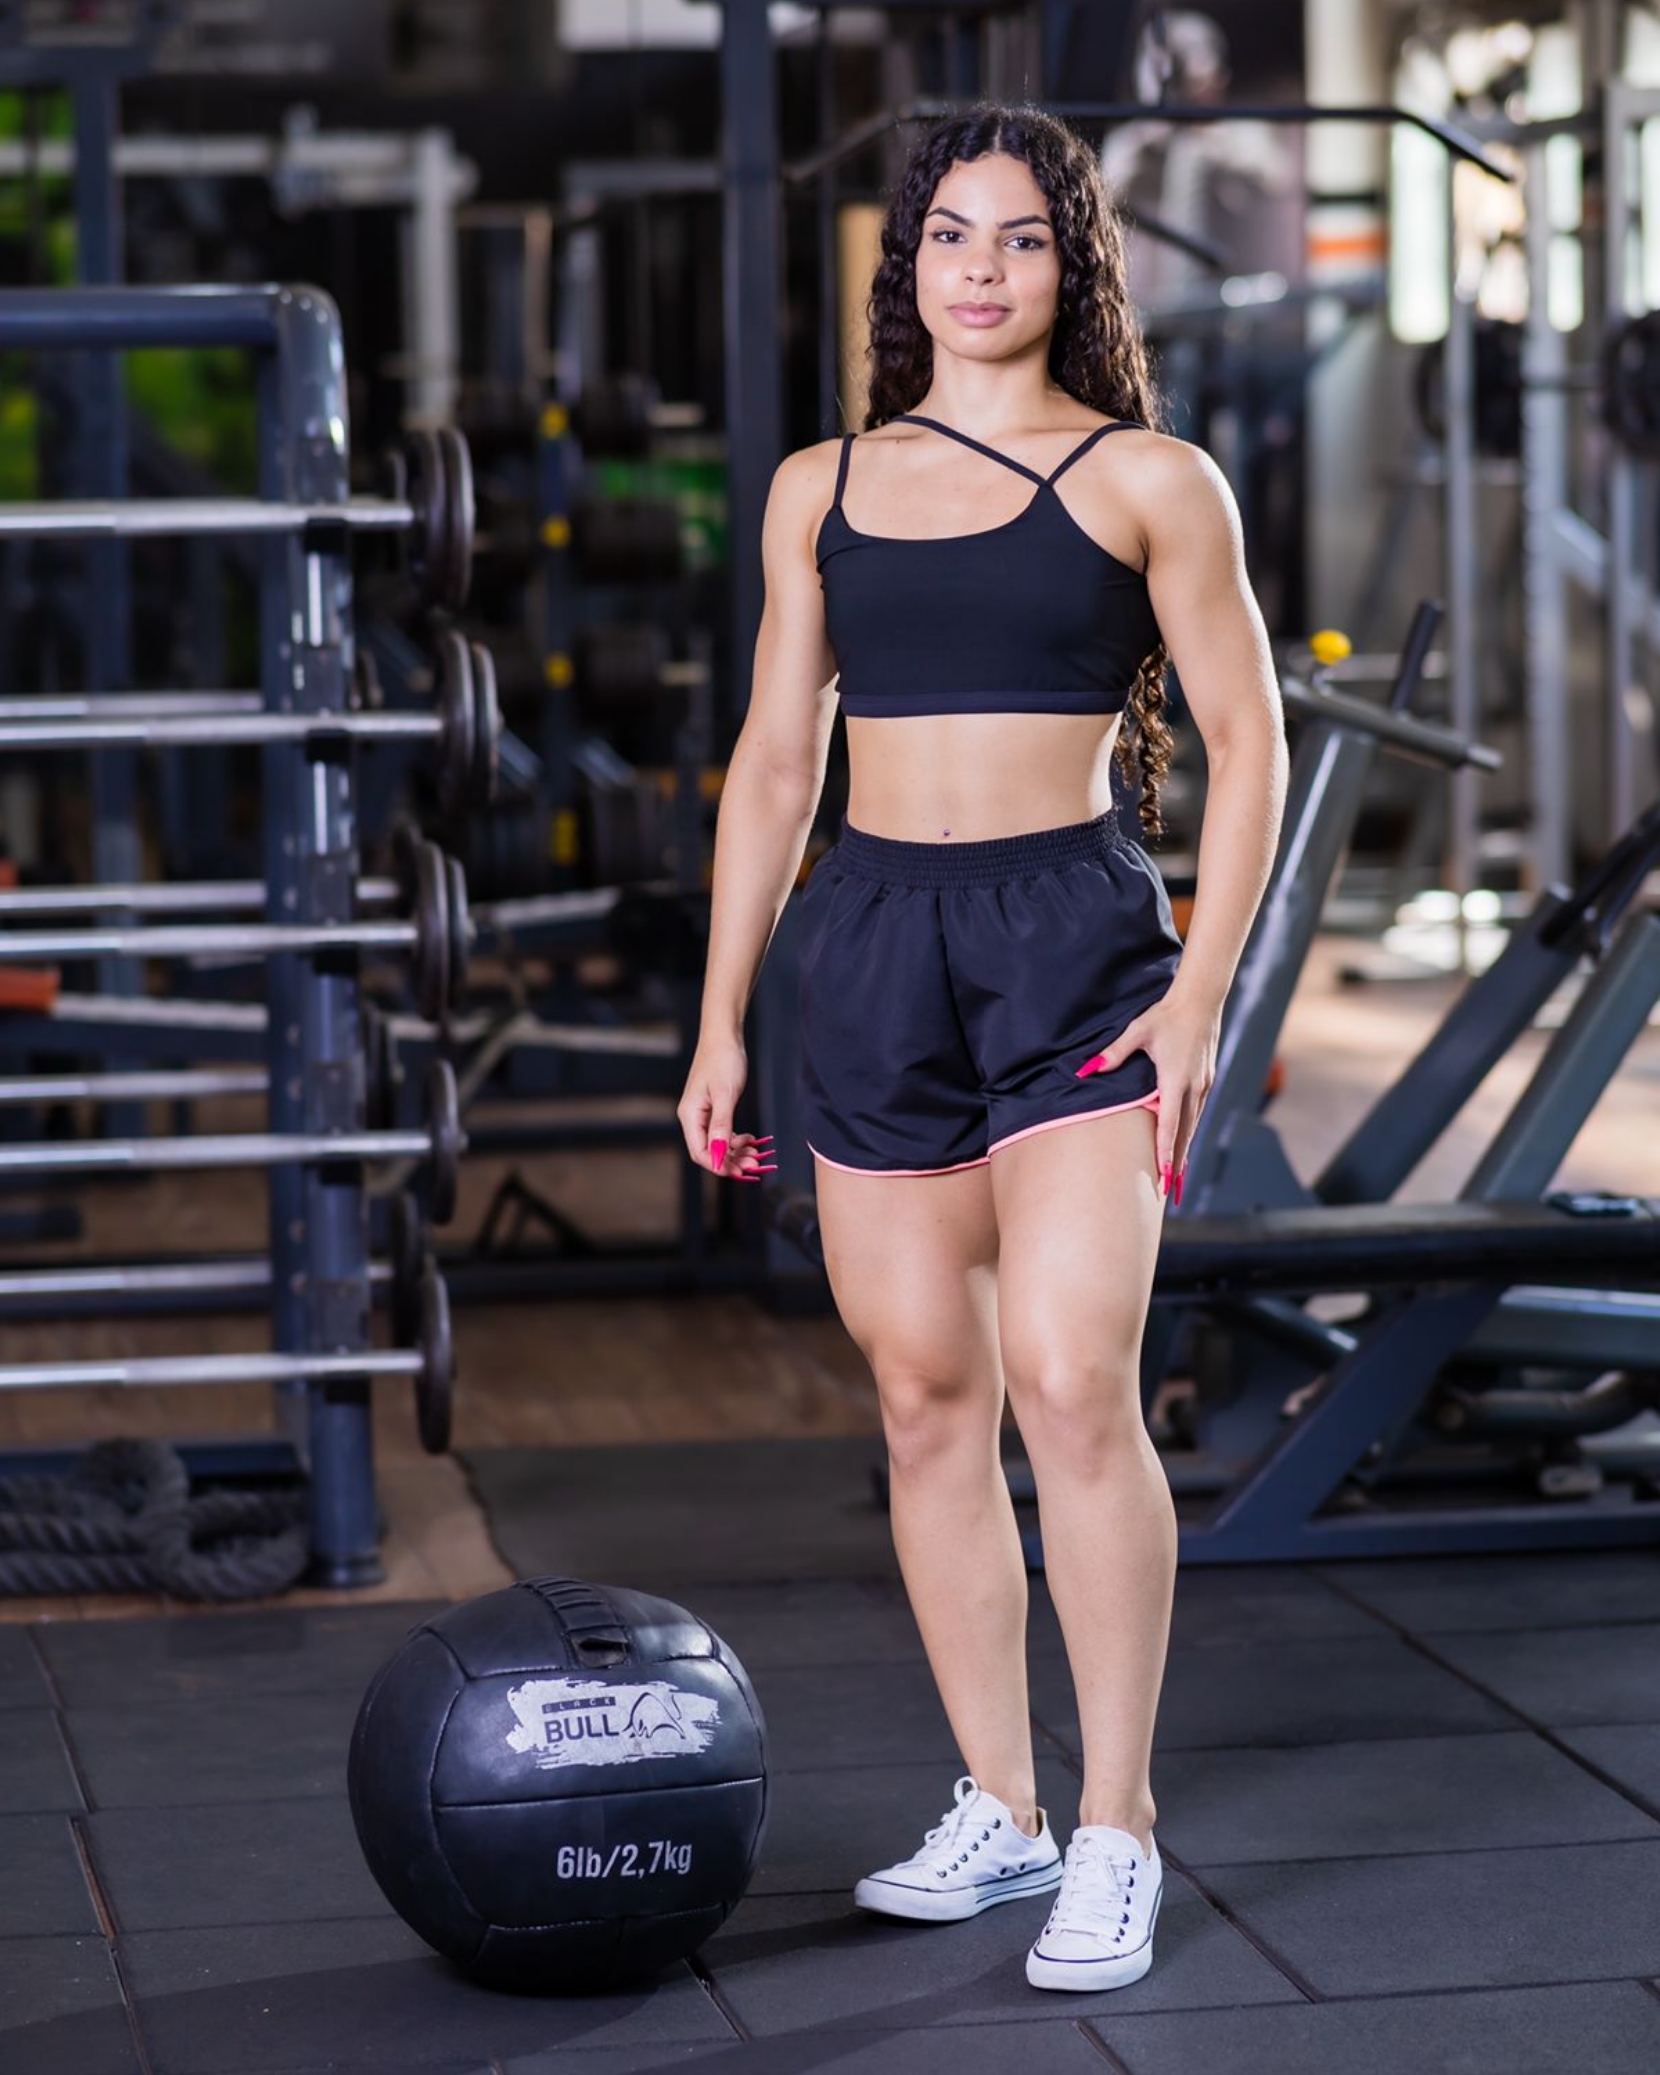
(841, 471)
(1088, 441)
(915, 418)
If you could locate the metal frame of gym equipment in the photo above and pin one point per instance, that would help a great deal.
(419, 171)
(319, 1264)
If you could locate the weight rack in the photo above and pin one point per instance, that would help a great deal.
(319, 1274)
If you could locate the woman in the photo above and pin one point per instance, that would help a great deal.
(986, 957)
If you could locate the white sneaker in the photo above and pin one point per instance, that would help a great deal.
(1100, 1931)
(972, 1858)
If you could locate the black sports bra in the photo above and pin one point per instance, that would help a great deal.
(1032, 616)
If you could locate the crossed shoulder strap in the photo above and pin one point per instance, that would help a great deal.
(1008, 461)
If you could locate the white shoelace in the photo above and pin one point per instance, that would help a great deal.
(1094, 1889)
(947, 1833)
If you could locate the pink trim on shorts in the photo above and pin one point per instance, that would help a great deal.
(1145, 1102)
(895, 1173)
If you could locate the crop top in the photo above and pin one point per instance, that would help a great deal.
(1032, 616)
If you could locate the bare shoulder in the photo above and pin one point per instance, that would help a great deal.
(1174, 486)
(803, 487)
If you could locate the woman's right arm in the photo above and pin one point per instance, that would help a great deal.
(769, 798)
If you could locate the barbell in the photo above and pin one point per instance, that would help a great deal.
(439, 1141)
(466, 729)
(430, 1364)
(431, 507)
(34, 1291)
(438, 936)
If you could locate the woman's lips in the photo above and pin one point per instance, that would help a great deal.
(979, 313)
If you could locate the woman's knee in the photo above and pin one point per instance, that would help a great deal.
(931, 1415)
(1081, 1411)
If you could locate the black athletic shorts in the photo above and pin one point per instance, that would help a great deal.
(949, 992)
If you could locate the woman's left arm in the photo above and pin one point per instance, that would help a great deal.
(1214, 634)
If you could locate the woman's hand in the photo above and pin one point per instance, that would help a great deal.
(720, 1067)
(1180, 1036)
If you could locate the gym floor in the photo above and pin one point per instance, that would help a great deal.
(1410, 1811)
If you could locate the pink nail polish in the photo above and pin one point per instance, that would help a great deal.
(717, 1152)
(1090, 1066)
(1164, 1175)
(1177, 1197)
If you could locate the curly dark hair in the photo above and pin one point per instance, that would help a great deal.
(1096, 351)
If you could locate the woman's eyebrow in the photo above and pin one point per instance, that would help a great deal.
(1010, 224)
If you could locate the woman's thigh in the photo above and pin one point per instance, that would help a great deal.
(912, 1263)
(1080, 1216)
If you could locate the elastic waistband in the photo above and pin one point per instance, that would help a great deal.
(973, 864)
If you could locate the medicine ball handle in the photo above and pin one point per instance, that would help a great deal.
(597, 1634)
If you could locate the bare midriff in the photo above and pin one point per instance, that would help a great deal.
(970, 777)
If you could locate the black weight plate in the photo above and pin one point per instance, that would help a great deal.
(460, 517)
(461, 946)
(443, 1121)
(409, 1251)
(435, 1386)
(456, 709)
(429, 499)
(486, 725)
(406, 843)
(430, 964)
(380, 1070)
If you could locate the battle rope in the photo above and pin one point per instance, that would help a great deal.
(123, 1520)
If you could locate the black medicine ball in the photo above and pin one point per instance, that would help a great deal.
(561, 1786)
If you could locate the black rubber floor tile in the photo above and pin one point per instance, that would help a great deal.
(1423, 1794)
(1562, 1590)
(61, 2010)
(876, 1714)
(1330, 1691)
(208, 1656)
(1629, 1754)
(671, 1516)
(1360, 1927)
(42, 1888)
(1058, 2044)
(839, 1621)
(21, 1684)
(271, 1748)
(1566, 1677)
(1255, 1603)
(35, 1772)
(813, 1962)
(1613, 2027)
(369, 1996)
(267, 1862)
(828, 1829)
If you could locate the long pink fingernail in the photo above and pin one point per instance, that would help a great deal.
(1165, 1175)
(1091, 1066)
(1178, 1190)
(717, 1152)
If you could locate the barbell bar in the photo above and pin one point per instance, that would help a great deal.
(438, 936)
(440, 1141)
(430, 1365)
(466, 729)
(399, 1275)
(185, 897)
(433, 511)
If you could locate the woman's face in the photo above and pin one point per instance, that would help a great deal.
(988, 266)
